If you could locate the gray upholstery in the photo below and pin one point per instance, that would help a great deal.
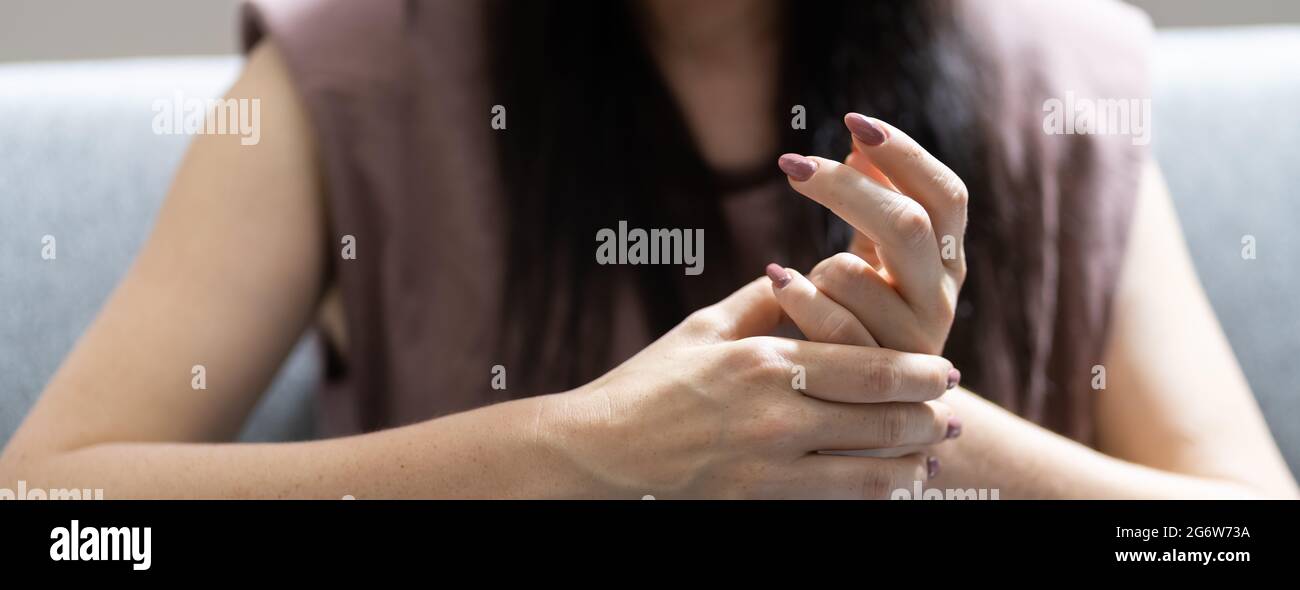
(78, 160)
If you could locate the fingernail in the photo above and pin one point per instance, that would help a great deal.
(797, 167)
(954, 427)
(932, 467)
(867, 131)
(954, 377)
(778, 275)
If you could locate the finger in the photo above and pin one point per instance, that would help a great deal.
(860, 478)
(750, 311)
(858, 374)
(917, 174)
(819, 317)
(861, 245)
(848, 427)
(855, 285)
(863, 164)
(898, 225)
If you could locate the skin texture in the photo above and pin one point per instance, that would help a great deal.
(235, 271)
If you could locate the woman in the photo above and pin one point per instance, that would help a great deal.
(427, 186)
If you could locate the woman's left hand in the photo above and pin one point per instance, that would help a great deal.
(902, 274)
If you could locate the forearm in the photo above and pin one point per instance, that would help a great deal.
(998, 450)
(494, 452)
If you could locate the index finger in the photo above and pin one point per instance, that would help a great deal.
(917, 174)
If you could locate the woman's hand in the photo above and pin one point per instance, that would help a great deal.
(717, 409)
(906, 264)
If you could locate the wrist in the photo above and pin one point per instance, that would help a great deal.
(569, 433)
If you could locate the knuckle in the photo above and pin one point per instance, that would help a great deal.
(707, 320)
(958, 193)
(876, 483)
(882, 377)
(953, 187)
(839, 273)
(759, 357)
(738, 355)
(838, 327)
(893, 425)
(847, 262)
(909, 221)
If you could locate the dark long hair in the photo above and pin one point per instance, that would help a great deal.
(595, 137)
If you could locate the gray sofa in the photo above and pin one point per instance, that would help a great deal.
(78, 160)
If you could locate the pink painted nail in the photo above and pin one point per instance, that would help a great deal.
(797, 167)
(954, 427)
(932, 467)
(954, 377)
(778, 275)
(867, 131)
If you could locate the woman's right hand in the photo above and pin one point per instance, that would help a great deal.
(717, 409)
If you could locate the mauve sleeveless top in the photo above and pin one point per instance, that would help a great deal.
(400, 101)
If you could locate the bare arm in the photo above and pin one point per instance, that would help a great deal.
(1176, 420)
(229, 280)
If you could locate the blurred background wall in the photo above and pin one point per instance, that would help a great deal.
(88, 29)
(1203, 13)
